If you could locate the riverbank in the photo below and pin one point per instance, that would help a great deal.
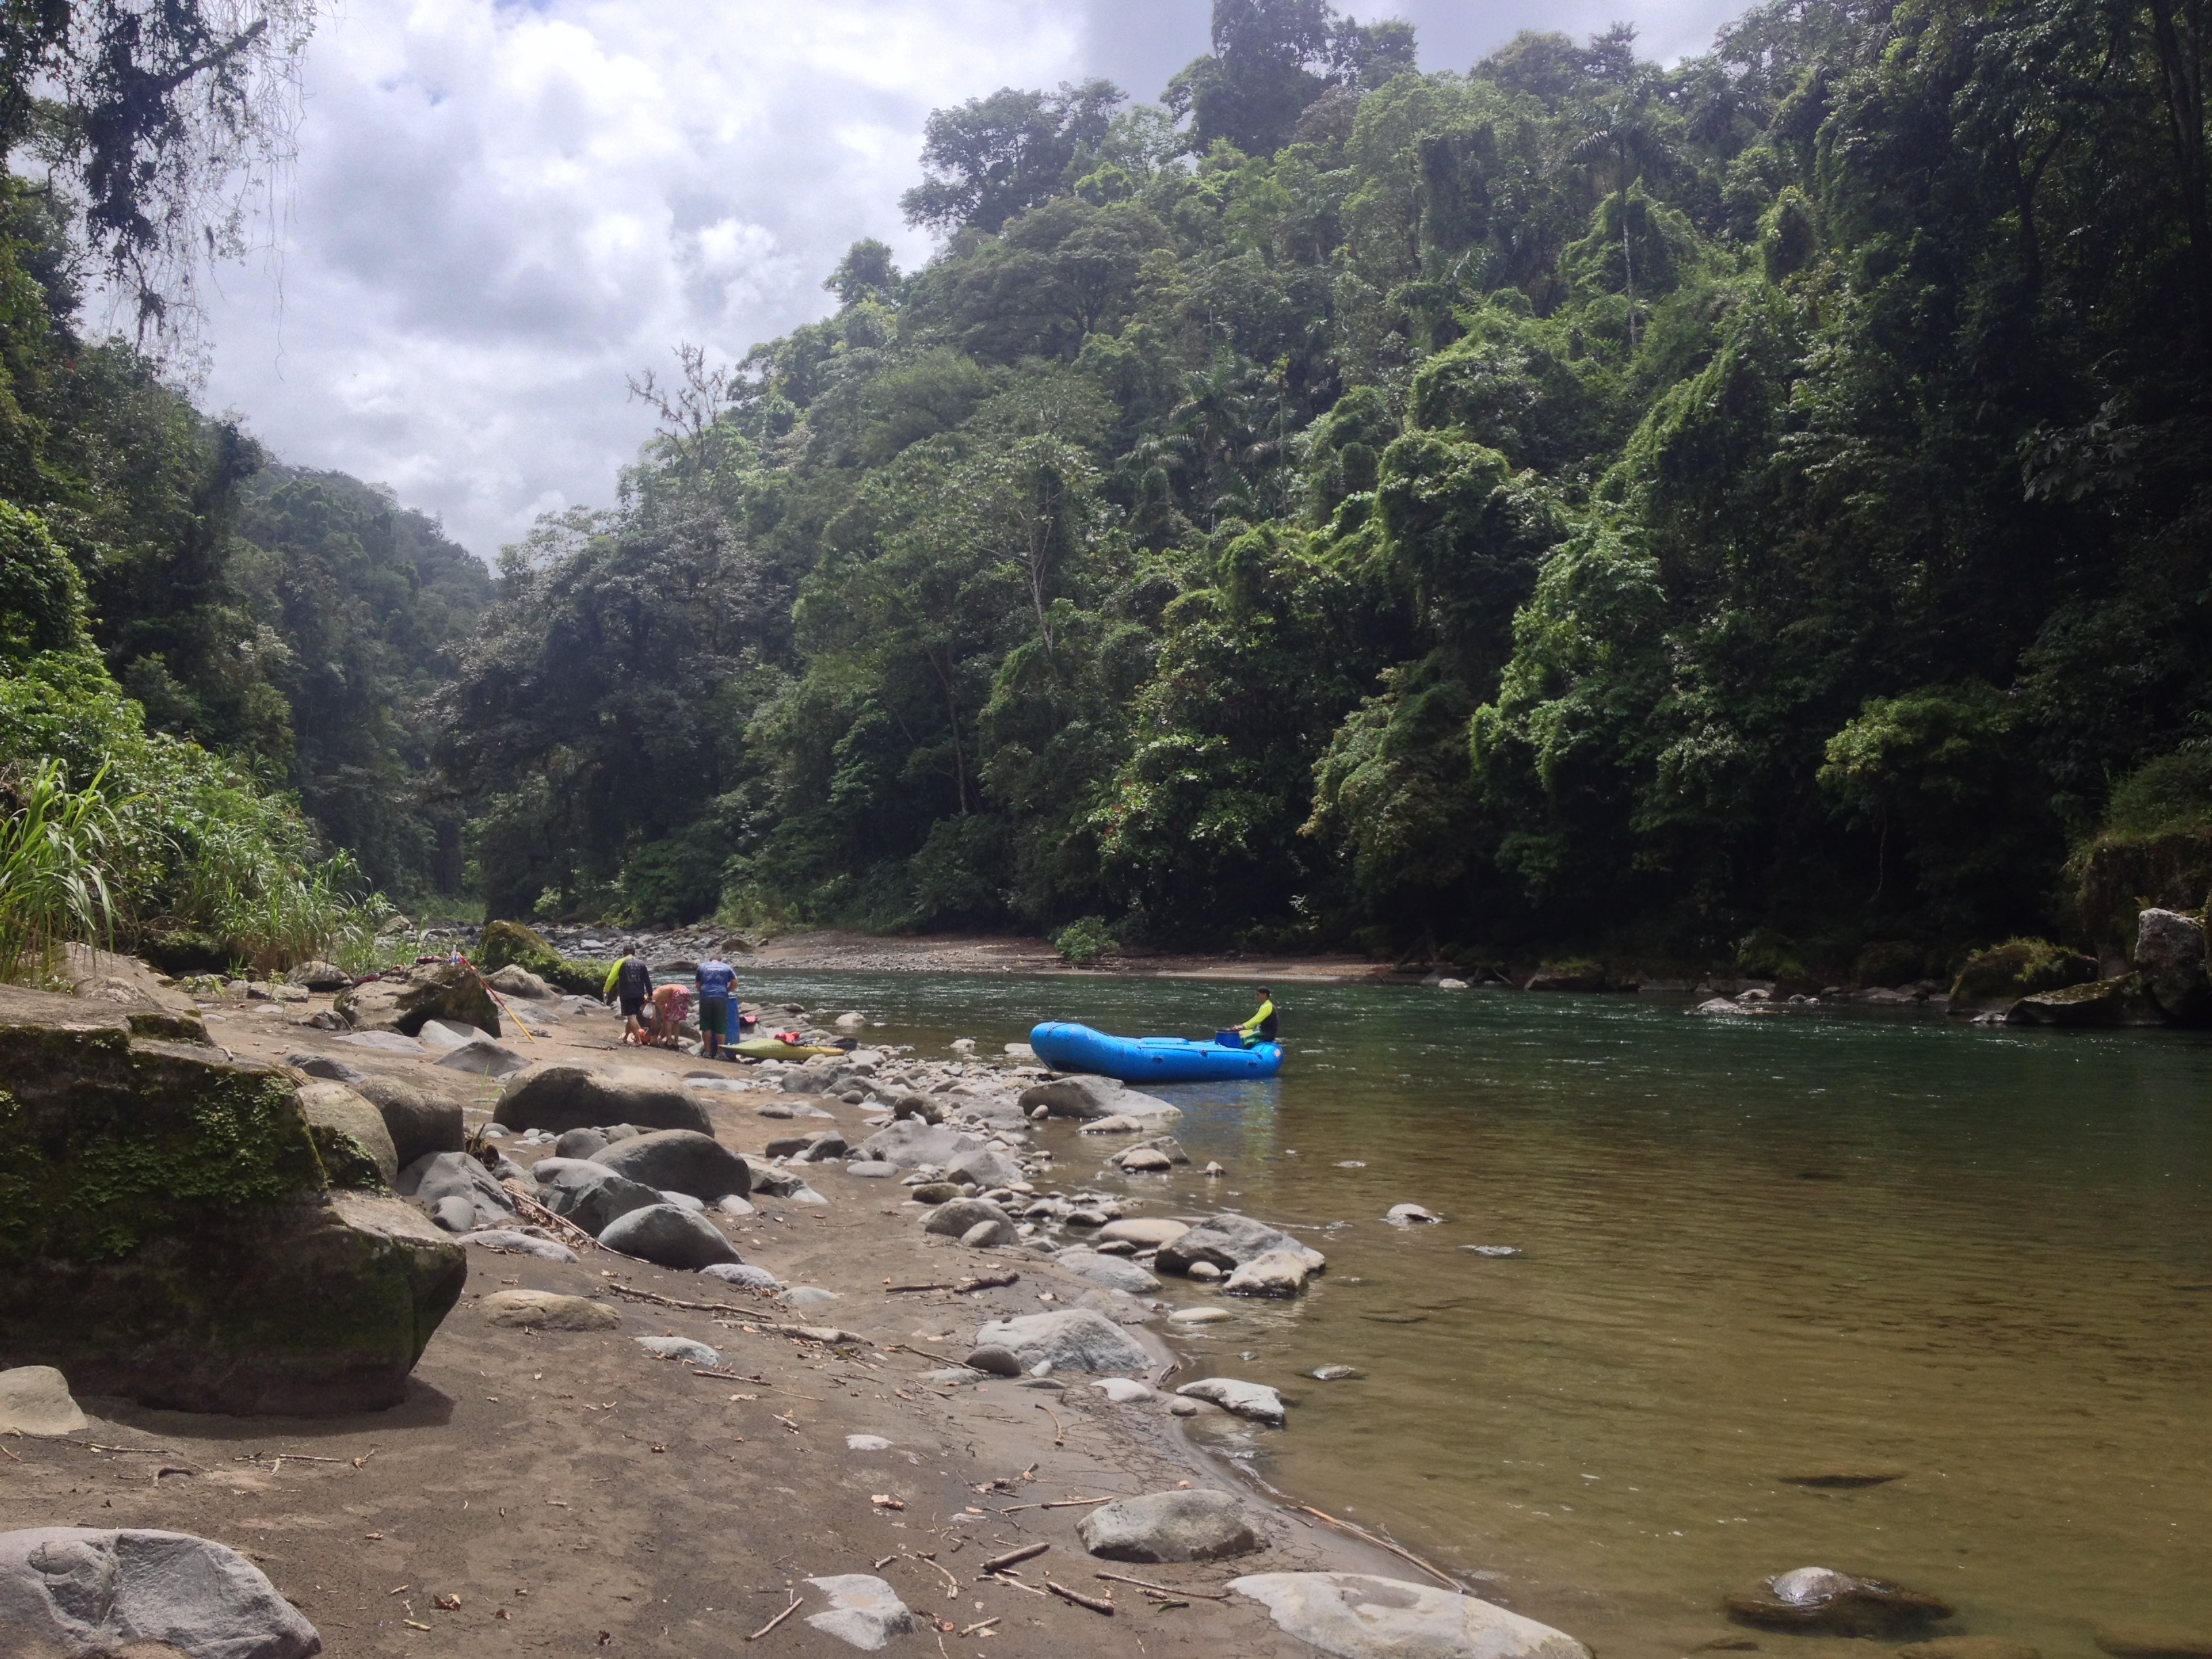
(567, 1490)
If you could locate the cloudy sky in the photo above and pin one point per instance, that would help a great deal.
(501, 209)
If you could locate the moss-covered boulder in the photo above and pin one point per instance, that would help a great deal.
(509, 943)
(2104, 1003)
(439, 990)
(169, 1232)
(2002, 975)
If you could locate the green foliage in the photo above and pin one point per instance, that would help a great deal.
(53, 887)
(2170, 795)
(503, 943)
(1731, 512)
(42, 605)
(1084, 941)
(2019, 967)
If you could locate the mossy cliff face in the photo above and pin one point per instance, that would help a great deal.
(169, 1232)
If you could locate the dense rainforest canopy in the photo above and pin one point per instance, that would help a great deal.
(1758, 509)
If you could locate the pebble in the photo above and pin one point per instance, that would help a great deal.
(807, 1295)
(866, 1443)
(1492, 1249)
(1199, 1316)
(1335, 1373)
(1409, 1215)
(1202, 1270)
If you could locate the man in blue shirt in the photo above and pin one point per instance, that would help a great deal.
(718, 990)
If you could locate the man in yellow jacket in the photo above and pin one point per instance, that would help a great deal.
(1260, 1028)
(633, 979)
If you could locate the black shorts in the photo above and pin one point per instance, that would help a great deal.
(633, 1007)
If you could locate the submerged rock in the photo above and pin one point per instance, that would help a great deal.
(1228, 1242)
(2155, 1642)
(1355, 1616)
(1109, 1270)
(1091, 1098)
(80, 1590)
(1970, 1647)
(1277, 1272)
(1822, 1599)
(1169, 1526)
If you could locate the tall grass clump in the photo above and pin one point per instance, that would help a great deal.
(54, 843)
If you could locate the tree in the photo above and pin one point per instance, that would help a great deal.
(994, 157)
(1272, 58)
(160, 118)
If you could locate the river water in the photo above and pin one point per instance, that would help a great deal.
(1971, 1267)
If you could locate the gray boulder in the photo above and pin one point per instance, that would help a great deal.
(1253, 1400)
(349, 1135)
(562, 1096)
(590, 1194)
(1077, 1340)
(36, 1400)
(80, 1590)
(323, 1066)
(987, 1166)
(958, 1219)
(1094, 1098)
(1228, 1241)
(910, 1143)
(320, 976)
(482, 1057)
(419, 1121)
(1110, 1271)
(441, 990)
(548, 1310)
(682, 1161)
(1355, 1616)
(2170, 955)
(1169, 1526)
(581, 1143)
(663, 1234)
(442, 1175)
(1277, 1272)
(516, 980)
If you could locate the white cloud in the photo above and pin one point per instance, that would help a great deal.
(502, 210)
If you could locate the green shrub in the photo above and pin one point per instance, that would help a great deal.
(53, 887)
(2019, 967)
(1082, 943)
(1890, 961)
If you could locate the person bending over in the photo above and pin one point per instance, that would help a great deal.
(1260, 1028)
(717, 983)
(632, 980)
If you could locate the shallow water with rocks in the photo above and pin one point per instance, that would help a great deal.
(1866, 1290)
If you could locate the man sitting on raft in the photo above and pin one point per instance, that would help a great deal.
(1261, 1027)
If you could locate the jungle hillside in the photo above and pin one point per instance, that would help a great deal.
(1756, 511)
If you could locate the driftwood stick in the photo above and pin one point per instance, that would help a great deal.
(774, 1622)
(1435, 1573)
(1028, 1552)
(1073, 1502)
(532, 1210)
(1080, 1599)
(1161, 1590)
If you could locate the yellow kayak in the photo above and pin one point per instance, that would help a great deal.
(770, 1049)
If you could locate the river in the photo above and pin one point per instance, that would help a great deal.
(1967, 1269)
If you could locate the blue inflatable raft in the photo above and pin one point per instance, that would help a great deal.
(1067, 1048)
